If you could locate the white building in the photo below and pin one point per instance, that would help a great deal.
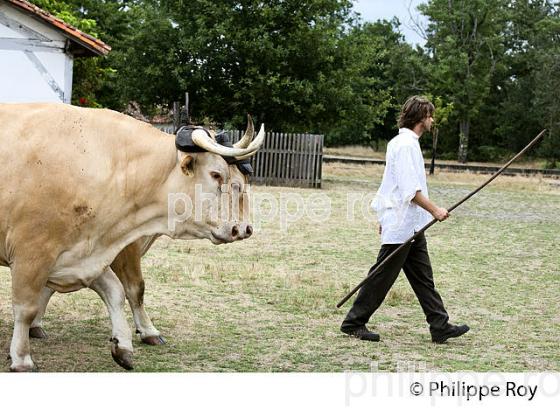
(37, 52)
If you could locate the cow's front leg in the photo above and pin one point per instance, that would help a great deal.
(25, 302)
(36, 330)
(127, 268)
(111, 291)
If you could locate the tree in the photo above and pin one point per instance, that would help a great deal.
(441, 116)
(273, 59)
(388, 71)
(547, 67)
(406, 74)
(296, 65)
(465, 40)
(522, 100)
(359, 88)
(511, 105)
(115, 22)
(89, 73)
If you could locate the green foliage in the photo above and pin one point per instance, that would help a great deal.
(358, 89)
(90, 74)
(311, 66)
(443, 111)
(395, 71)
(64, 10)
(546, 103)
(279, 61)
(465, 40)
(491, 154)
(525, 90)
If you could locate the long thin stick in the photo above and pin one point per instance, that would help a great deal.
(376, 268)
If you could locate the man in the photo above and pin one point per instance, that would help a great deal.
(403, 208)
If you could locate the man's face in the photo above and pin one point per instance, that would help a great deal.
(428, 122)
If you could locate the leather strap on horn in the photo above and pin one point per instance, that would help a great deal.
(184, 142)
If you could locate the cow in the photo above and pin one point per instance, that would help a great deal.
(127, 267)
(81, 186)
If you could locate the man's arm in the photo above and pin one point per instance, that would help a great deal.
(438, 213)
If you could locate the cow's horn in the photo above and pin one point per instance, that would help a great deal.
(203, 140)
(258, 143)
(248, 137)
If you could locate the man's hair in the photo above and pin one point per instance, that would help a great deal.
(414, 110)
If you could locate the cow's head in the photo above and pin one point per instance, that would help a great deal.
(214, 184)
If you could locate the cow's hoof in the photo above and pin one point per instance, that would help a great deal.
(123, 357)
(153, 340)
(24, 369)
(37, 333)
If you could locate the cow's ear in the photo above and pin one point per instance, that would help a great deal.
(187, 165)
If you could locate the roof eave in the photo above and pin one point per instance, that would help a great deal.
(91, 46)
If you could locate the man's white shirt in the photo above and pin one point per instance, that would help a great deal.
(404, 175)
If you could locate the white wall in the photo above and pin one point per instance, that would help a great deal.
(33, 64)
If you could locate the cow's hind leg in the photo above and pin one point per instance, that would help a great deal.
(111, 291)
(127, 268)
(36, 330)
(144, 326)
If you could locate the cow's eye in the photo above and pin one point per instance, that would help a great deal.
(217, 176)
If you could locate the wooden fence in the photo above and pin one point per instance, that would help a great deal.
(287, 159)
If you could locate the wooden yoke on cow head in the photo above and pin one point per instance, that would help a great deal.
(196, 139)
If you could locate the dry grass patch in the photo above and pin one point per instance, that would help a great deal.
(268, 303)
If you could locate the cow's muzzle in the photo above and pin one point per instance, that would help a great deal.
(231, 232)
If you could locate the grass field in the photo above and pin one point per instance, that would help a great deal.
(268, 304)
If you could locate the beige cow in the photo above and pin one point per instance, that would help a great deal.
(81, 185)
(127, 267)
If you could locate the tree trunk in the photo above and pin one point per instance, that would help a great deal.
(464, 126)
(434, 148)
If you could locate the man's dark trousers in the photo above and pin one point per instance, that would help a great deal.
(415, 262)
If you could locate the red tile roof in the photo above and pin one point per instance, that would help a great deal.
(89, 44)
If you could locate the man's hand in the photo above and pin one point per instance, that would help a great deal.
(440, 214)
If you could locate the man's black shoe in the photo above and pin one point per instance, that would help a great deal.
(451, 331)
(361, 333)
